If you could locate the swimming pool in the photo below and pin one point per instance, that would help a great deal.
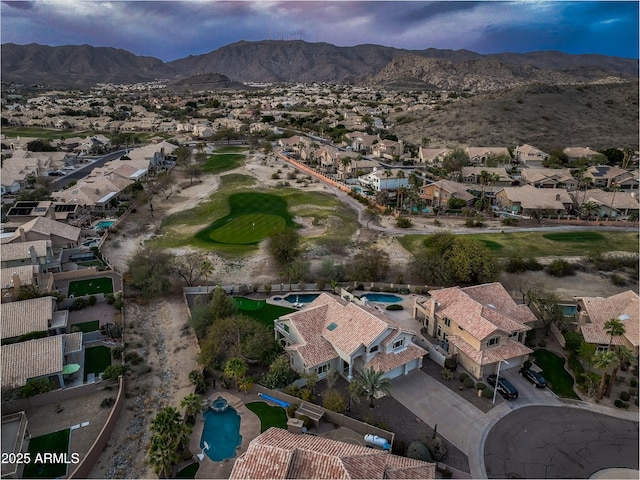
(381, 298)
(301, 297)
(568, 310)
(103, 224)
(221, 433)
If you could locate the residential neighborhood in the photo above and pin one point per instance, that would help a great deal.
(112, 291)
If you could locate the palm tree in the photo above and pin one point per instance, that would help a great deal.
(603, 361)
(167, 422)
(615, 328)
(589, 207)
(192, 404)
(169, 437)
(236, 368)
(345, 161)
(369, 383)
(387, 173)
(206, 268)
(614, 188)
(163, 456)
(485, 178)
(625, 357)
(402, 191)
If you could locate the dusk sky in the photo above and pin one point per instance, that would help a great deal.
(175, 29)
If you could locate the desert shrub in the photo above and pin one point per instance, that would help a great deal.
(633, 382)
(450, 363)
(468, 382)
(446, 374)
(481, 386)
(275, 176)
(463, 376)
(133, 358)
(625, 396)
(374, 289)
(395, 307)
(510, 221)
(618, 280)
(419, 451)
(116, 352)
(560, 268)
(107, 402)
(291, 410)
(306, 421)
(267, 289)
(487, 392)
(92, 300)
(35, 386)
(437, 447)
(620, 404)
(333, 400)
(390, 289)
(79, 304)
(110, 298)
(114, 371)
(403, 222)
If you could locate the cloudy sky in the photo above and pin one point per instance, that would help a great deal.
(175, 29)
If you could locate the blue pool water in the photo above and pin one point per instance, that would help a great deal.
(103, 224)
(301, 298)
(381, 297)
(222, 434)
(568, 310)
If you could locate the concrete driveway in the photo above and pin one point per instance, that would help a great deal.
(435, 404)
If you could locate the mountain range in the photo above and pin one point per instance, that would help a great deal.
(79, 66)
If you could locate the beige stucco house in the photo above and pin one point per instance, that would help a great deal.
(480, 325)
(333, 333)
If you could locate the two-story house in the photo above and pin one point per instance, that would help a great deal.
(527, 200)
(529, 155)
(385, 179)
(480, 325)
(332, 332)
(39, 253)
(439, 193)
(607, 176)
(549, 178)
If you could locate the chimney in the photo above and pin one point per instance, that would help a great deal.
(34, 257)
(15, 280)
(23, 236)
(557, 197)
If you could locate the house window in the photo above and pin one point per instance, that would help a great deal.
(493, 341)
(373, 349)
(398, 343)
(323, 369)
(439, 334)
(285, 327)
(514, 334)
(447, 321)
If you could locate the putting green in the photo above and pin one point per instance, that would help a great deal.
(246, 229)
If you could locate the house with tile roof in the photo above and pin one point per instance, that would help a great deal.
(39, 358)
(34, 315)
(606, 176)
(279, 454)
(480, 155)
(432, 156)
(594, 312)
(479, 325)
(529, 155)
(61, 235)
(437, 194)
(527, 200)
(549, 178)
(577, 153)
(610, 204)
(332, 332)
(13, 278)
(474, 175)
(38, 253)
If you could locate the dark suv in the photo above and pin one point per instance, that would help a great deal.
(504, 387)
(534, 377)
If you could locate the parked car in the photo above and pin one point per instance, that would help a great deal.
(504, 387)
(534, 377)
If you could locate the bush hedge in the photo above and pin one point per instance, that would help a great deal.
(395, 306)
(463, 376)
(625, 396)
(468, 382)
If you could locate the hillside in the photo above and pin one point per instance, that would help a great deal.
(599, 116)
(208, 81)
(299, 61)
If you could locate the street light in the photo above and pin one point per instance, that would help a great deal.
(495, 389)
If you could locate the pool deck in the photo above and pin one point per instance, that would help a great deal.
(249, 429)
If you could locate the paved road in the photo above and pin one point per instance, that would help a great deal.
(59, 183)
(559, 442)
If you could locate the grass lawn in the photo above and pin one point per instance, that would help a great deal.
(260, 310)
(541, 244)
(86, 327)
(269, 416)
(56, 442)
(96, 359)
(189, 471)
(559, 380)
(91, 263)
(79, 288)
(43, 133)
(223, 159)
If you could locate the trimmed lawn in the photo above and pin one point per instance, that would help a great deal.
(43, 133)
(269, 416)
(56, 442)
(541, 244)
(96, 359)
(79, 288)
(559, 380)
(86, 327)
(220, 162)
(265, 313)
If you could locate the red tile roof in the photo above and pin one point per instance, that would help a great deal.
(278, 454)
(511, 349)
(623, 305)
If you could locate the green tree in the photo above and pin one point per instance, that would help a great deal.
(455, 160)
(333, 400)
(588, 208)
(284, 246)
(280, 374)
(168, 437)
(236, 368)
(603, 361)
(162, 456)
(151, 271)
(624, 356)
(471, 261)
(546, 302)
(371, 214)
(614, 328)
(192, 403)
(586, 352)
(369, 383)
(182, 154)
(369, 265)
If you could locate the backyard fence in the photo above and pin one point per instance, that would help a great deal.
(332, 417)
